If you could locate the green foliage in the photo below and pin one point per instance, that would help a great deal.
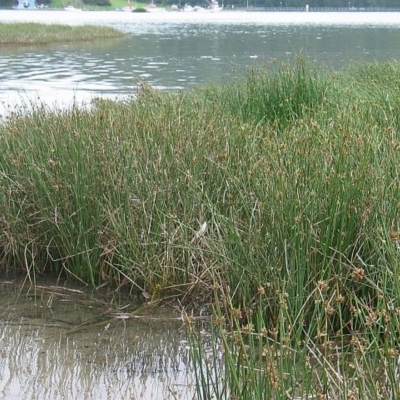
(6, 3)
(274, 199)
(98, 2)
(33, 33)
(316, 263)
(285, 4)
(279, 96)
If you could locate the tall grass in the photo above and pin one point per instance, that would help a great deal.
(30, 33)
(311, 305)
(274, 200)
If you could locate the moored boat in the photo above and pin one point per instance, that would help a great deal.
(188, 8)
(214, 7)
(72, 8)
(153, 8)
(128, 8)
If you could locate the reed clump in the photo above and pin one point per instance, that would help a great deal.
(274, 199)
(30, 33)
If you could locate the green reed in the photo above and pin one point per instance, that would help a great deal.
(314, 309)
(274, 200)
(30, 33)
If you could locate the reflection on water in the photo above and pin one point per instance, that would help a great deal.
(180, 50)
(60, 344)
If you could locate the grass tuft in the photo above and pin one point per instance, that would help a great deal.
(30, 33)
(273, 200)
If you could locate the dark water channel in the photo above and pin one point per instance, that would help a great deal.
(64, 343)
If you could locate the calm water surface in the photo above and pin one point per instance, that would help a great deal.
(178, 50)
(62, 343)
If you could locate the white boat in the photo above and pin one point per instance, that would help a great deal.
(214, 7)
(24, 4)
(153, 8)
(128, 8)
(72, 8)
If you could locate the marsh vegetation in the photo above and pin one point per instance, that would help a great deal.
(273, 200)
(30, 33)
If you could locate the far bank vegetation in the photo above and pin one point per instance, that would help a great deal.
(12, 34)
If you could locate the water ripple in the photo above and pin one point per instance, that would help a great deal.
(176, 50)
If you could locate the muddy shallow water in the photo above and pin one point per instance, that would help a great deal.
(58, 343)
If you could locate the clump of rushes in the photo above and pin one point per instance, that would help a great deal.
(30, 33)
(275, 198)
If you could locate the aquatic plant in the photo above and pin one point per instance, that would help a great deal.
(30, 33)
(273, 200)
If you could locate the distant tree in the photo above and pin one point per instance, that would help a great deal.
(6, 3)
(97, 2)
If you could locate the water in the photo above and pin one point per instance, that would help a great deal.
(68, 343)
(179, 50)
